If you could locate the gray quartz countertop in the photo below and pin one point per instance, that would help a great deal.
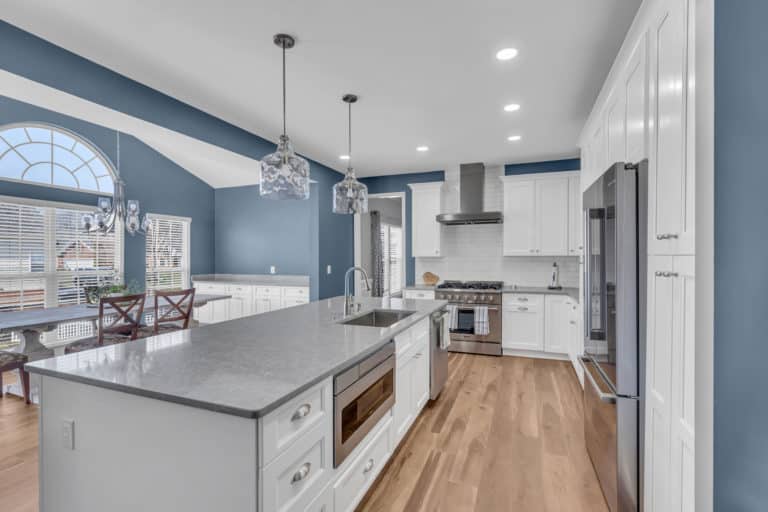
(254, 279)
(245, 367)
(543, 290)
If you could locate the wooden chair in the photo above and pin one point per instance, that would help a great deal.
(122, 323)
(173, 312)
(10, 361)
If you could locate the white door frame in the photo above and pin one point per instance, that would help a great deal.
(359, 234)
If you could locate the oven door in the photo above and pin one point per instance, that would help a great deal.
(359, 407)
(465, 325)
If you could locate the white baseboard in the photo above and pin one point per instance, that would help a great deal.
(533, 354)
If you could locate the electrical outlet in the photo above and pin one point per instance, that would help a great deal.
(328, 270)
(273, 269)
(68, 434)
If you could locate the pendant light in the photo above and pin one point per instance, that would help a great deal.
(349, 195)
(284, 174)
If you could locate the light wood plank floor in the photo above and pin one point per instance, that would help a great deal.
(506, 434)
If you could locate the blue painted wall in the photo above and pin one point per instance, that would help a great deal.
(399, 183)
(741, 246)
(571, 164)
(331, 241)
(158, 183)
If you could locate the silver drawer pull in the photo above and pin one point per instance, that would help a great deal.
(666, 274)
(523, 299)
(301, 412)
(302, 473)
(667, 236)
(573, 322)
(522, 308)
(417, 356)
(368, 466)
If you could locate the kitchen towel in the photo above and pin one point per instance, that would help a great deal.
(482, 328)
(453, 316)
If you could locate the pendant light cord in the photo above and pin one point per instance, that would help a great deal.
(118, 152)
(349, 135)
(283, 45)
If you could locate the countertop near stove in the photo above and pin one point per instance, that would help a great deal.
(543, 290)
(421, 287)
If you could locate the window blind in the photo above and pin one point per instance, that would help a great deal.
(45, 261)
(167, 254)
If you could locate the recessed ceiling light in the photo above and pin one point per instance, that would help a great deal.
(422, 148)
(512, 107)
(344, 157)
(506, 54)
(514, 138)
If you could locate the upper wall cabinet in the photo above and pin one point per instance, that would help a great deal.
(575, 217)
(537, 215)
(425, 230)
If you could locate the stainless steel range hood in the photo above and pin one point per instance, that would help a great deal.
(471, 192)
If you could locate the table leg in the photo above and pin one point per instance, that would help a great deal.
(31, 345)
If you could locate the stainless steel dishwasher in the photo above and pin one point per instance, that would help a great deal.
(439, 341)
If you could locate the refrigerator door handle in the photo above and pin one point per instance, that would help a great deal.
(609, 398)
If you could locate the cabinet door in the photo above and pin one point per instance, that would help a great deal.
(556, 331)
(519, 218)
(575, 217)
(402, 412)
(220, 310)
(636, 93)
(552, 216)
(575, 341)
(204, 314)
(420, 383)
(523, 328)
(263, 305)
(425, 235)
(615, 119)
(671, 187)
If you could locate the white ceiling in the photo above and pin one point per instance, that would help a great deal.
(424, 70)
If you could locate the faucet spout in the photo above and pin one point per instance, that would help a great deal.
(347, 294)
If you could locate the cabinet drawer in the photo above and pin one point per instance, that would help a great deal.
(323, 503)
(210, 288)
(355, 481)
(268, 291)
(239, 289)
(283, 426)
(524, 299)
(296, 292)
(419, 294)
(295, 477)
(419, 330)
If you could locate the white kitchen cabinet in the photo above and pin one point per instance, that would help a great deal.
(519, 217)
(241, 303)
(552, 216)
(615, 124)
(426, 205)
(523, 327)
(420, 381)
(412, 378)
(671, 172)
(419, 294)
(556, 327)
(537, 214)
(575, 217)
(575, 337)
(268, 298)
(215, 311)
(403, 412)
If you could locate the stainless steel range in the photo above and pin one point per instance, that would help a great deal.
(468, 297)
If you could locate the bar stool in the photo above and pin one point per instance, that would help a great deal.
(123, 322)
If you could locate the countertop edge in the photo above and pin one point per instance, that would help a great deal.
(224, 409)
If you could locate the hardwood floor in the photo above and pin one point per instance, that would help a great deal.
(505, 435)
(18, 455)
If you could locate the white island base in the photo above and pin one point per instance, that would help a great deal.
(107, 450)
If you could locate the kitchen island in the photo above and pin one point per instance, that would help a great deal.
(232, 416)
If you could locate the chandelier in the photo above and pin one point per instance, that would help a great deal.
(110, 211)
(349, 195)
(284, 174)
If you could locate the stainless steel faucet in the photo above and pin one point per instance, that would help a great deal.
(347, 296)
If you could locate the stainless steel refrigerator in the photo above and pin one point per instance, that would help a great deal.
(615, 219)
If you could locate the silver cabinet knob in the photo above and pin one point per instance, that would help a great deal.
(522, 308)
(368, 466)
(301, 412)
(302, 473)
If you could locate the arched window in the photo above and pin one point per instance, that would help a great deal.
(48, 155)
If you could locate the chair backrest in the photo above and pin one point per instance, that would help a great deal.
(123, 315)
(174, 307)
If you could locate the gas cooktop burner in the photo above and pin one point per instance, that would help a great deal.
(470, 285)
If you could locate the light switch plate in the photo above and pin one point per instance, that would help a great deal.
(273, 269)
(328, 270)
(68, 434)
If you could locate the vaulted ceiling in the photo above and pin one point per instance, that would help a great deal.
(425, 71)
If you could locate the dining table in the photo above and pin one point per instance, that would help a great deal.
(30, 324)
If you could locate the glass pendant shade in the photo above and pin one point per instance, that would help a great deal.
(284, 174)
(349, 195)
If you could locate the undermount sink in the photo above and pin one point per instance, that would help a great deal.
(379, 318)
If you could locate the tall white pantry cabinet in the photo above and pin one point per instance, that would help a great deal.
(645, 110)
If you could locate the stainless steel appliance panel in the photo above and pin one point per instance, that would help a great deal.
(438, 361)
